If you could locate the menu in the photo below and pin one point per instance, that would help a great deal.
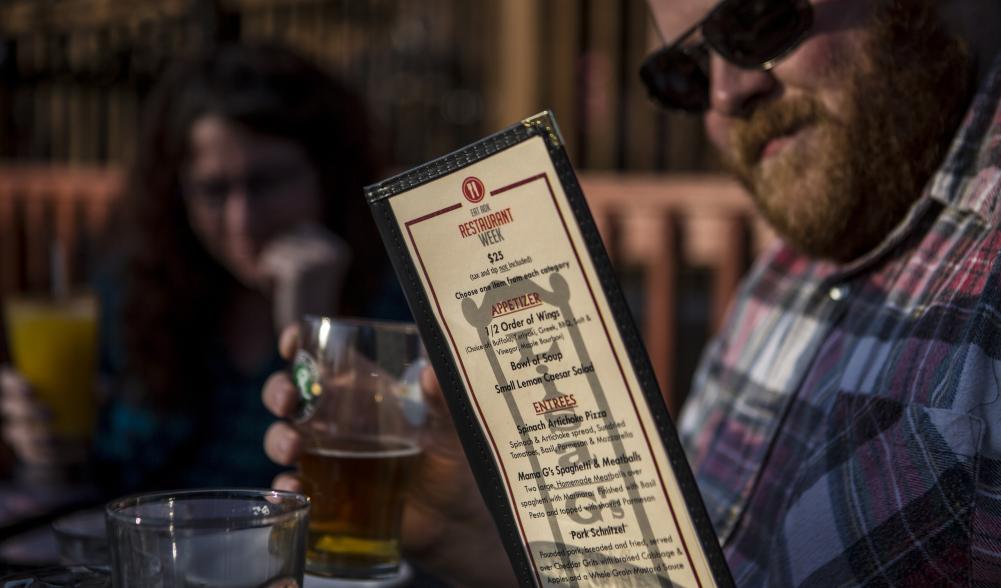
(543, 370)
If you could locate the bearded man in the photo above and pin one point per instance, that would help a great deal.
(845, 425)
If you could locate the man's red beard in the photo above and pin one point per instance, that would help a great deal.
(838, 198)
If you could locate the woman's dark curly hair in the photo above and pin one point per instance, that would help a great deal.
(174, 290)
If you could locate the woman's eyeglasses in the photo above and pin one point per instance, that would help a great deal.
(747, 33)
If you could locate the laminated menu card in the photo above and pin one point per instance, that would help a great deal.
(542, 366)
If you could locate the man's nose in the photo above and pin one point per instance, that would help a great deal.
(733, 90)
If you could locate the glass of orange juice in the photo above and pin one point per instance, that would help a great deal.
(53, 344)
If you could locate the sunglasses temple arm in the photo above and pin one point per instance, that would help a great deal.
(681, 38)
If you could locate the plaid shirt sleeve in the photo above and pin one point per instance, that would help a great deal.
(845, 427)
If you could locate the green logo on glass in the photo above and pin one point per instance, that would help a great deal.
(306, 375)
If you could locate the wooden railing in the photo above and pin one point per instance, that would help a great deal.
(44, 206)
(653, 226)
(663, 224)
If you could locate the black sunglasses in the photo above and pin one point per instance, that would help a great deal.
(747, 33)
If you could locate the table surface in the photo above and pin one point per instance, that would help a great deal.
(27, 510)
(27, 541)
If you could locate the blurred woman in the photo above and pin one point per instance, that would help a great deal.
(244, 209)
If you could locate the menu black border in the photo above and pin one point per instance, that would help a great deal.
(477, 447)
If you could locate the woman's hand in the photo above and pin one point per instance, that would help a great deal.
(26, 422)
(446, 526)
(304, 270)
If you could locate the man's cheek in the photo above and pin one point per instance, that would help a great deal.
(718, 129)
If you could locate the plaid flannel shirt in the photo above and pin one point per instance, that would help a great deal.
(846, 424)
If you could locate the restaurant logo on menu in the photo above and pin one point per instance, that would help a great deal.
(473, 189)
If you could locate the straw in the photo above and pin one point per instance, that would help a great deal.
(59, 281)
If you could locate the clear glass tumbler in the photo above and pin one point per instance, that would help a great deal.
(202, 538)
(83, 539)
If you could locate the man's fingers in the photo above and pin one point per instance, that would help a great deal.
(288, 482)
(279, 395)
(282, 444)
(289, 341)
(433, 395)
(429, 384)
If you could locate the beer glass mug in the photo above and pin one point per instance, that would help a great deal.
(202, 538)
(361, 417)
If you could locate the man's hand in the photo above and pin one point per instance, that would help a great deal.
(446, 526)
